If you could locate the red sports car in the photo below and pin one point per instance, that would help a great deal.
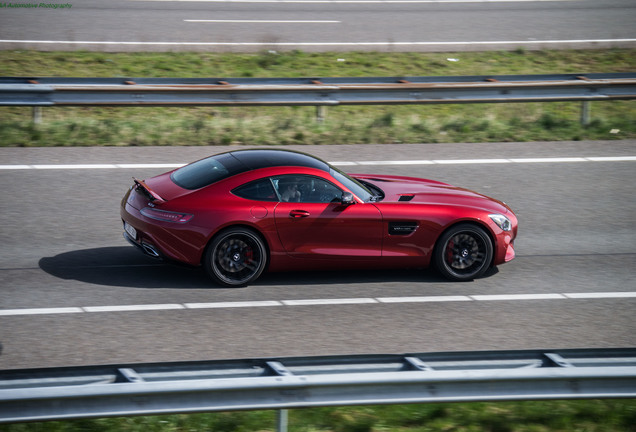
(241, 212)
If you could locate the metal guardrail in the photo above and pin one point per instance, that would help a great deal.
(143, 389)
(38, 91)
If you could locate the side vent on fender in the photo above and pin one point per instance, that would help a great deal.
(406, 197)
(402, 228)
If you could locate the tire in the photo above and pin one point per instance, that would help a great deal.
(236, 257)
(463, 253)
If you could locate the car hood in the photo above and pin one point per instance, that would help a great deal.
(422, 191)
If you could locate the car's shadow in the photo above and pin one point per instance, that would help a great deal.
(122, 266)
(126, 266)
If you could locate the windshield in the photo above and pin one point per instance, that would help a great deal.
(353, 185)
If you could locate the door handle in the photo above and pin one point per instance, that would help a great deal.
(298, 213)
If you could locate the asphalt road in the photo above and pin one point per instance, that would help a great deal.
(73, 292)
(316, 25)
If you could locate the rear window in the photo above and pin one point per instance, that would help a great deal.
(207, 171)
(259, 190)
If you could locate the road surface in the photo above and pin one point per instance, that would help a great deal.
(317, 25)
(73, 292)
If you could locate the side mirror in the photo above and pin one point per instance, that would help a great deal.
(347, 199)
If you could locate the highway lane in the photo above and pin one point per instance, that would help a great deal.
(133, 25)
(61, 247)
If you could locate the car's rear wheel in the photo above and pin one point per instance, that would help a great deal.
(236, 257)
(463, 253)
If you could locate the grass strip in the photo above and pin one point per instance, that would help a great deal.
(532, 416)
(258, 126)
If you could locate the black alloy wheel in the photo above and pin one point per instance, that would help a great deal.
(236, 257)
(464, 252)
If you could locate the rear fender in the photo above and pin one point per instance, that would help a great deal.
(249, 227)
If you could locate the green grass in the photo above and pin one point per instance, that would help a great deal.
(75, 126)
(536, 416)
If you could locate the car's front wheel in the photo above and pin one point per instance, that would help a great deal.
(236, 257)
(463, 253)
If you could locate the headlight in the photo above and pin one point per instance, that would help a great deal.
(501, 221)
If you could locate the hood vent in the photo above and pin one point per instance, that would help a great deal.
(402, 228)
(406, 197)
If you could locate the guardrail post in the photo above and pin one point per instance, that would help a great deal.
(281, 420)
(585, 113)
(320, 113)
(37, 115)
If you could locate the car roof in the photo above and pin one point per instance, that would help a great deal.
(215, 168)
(266, 158)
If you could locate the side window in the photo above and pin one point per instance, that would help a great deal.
(259, 190)
(304, 188)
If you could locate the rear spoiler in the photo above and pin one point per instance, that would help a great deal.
(152, 195)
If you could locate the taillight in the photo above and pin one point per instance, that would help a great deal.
(166, 216)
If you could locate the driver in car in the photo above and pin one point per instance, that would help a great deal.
(288, 189)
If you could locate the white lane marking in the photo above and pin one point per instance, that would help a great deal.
(344, 163)
(241, 304)
(424, 299)
(472, 161)
(75, 166)
(321, 302)
(336, 301)
(149, 165)
(600, 295)
(549, 160)
(133, 308)
(514, 297)
(612, 158)
(397, 162)
(41, 311)
(92, 166)
(457, 45)
(245, 21)
(15, 167)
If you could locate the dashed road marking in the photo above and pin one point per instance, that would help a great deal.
(515, 297)
(423, 299)
(239, 304)
(324, 302)
(133, 308)
(246, 21)
(41, 311)
(320, 302)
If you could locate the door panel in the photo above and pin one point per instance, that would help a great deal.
(329, 230)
